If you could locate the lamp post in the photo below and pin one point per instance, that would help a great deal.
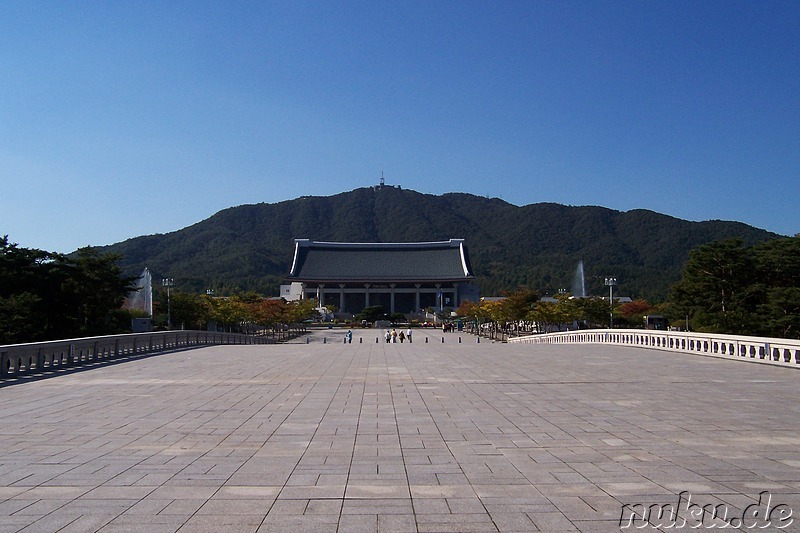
(168, 283)
(610, 282)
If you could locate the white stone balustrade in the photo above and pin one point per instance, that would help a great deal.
(784, 352)
(16, 359)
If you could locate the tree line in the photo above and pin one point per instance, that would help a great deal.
(728, 287)
(247, 312)
(725, 287)
(48, 296)
(248, 248)
(524, 311)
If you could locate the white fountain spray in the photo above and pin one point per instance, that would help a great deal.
(142, 297)
(579, 281)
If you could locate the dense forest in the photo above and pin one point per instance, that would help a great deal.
(725, 287)
(45, 295)
(48, 296)
(249, 248)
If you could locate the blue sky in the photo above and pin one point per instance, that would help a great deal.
(121, 119)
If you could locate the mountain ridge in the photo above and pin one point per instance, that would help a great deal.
(249, 247)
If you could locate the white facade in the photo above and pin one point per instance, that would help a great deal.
(292, 292)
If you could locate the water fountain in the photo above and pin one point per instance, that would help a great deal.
(579, 282)
(142, 297)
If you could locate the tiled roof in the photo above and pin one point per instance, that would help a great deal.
(384, 262)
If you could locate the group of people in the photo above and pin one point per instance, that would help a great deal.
(394, 336)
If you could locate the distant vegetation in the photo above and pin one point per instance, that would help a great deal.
(45, 295)
(718, 276)
(729, 288)
(725, 288)
(249, 248)
(48, 296)
(245, 313)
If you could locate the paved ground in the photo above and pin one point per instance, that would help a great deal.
(395, 437)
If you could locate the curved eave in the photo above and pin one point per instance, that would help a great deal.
(464, 264)
(295, 258)
(384, 280)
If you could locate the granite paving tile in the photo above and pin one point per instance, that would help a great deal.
(393, 437)
(311, 523)
(513, 522)
(149, 523)
(360, 523)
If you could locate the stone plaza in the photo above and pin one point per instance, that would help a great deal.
(443, 434)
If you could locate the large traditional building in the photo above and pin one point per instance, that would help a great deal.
(401, 277)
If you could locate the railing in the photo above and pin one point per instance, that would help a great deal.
(17, 359)
(784, 352)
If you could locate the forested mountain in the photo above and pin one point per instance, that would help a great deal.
(538, 246)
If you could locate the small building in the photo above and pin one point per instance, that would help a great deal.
(401, 277)
(655, 322)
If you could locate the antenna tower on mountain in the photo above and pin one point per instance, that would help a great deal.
(382, 184)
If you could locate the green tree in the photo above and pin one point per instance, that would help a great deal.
(46, 296)
(595, 312)
(18, 317)
(301, 310)
(26, 288)
(189, 311)
(518, 304)
(717, 288)
(777, 264)
(228, 313)
(780, 313)
(372, 313)
(469, 310)
(727, 288)
(97, 290)
(548, 315)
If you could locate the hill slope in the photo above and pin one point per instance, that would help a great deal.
(539, 245)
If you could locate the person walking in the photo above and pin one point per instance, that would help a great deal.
(408, 335)
(394, 336)
(388, 336)
(349, 336)
(401, 336)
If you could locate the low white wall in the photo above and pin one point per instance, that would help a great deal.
(783, 352)
(16, 359)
